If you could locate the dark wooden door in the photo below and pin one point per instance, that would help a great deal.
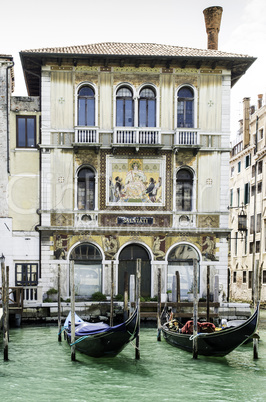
(127, 263)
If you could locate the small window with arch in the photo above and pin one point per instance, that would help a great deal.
(86, 189)
(86, 106)
(124, 107)
(184, 188)
(185, 107)
(147, 107)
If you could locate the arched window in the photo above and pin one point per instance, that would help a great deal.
(124, 108)
(184, 187)
(180, 260)
(86, 189)
(147, 108)
(88, 269)
(86, 106)
(185, 107)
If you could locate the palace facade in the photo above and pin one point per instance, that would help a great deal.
(120, 151)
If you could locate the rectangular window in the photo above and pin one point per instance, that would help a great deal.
(239, 167)
(261, 134)
(252, 224)
(258, 227)
(244, 276)
(236, 239)
(26, 131)
(259, 187)
(253, 170)
(232, 171)
(26, 274)
(238, 196)
(253, 189)
(251, 245)
(246, 243)
(264, 276)
(250, 276)
(234, 277)
(247, 161)
(231, 197)
(246, 193)
(257, 246)
(264, 236)
(260, 164)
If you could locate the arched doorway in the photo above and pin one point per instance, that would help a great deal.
(127, 263)
(88, 270)
(181, 259)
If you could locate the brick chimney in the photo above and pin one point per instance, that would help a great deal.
(213, 16)
(260, 96)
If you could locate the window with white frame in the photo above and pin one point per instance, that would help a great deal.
(86, 189)
(86, 106)
(185, 107)
(26, 131)
(147, 107)
(124, 107)
(184, 190)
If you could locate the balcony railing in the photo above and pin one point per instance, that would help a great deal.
(32, 295)
(86, 135)
(187, 136)
(132, 135)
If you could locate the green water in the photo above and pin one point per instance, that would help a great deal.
(40, 369)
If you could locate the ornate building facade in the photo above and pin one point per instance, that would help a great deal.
(121, 151)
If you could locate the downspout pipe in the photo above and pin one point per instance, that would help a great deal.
(7, 116)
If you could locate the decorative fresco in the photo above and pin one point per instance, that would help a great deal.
(208, 248)
(135, 180)
(159, 247)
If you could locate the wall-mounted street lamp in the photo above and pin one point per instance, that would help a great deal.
(242, 223)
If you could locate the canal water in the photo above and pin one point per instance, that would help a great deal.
(40, 369)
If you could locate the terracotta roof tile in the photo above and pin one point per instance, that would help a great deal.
(134, 49)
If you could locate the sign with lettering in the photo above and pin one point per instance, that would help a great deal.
(134, 220)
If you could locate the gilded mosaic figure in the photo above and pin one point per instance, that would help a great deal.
(110, 246)
(158, 253)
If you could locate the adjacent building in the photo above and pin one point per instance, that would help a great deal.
(120, 152)
(247, 198)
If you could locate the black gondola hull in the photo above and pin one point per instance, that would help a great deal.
(218, 343)
(109, 342)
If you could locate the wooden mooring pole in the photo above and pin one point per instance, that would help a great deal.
(125, 295)
(112, 295)
(59, 303)
(72, 282)
(195, 309)
(7, 301)
(208, 293)
(256, 298)
(5, 309)
(138, 282)
(159, 306)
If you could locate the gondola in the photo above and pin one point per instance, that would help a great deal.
(218, 342)
(100, 339)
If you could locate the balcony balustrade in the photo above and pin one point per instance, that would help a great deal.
(141, 136)
(187, 136)
(86, 135)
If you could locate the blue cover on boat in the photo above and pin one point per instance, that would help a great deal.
(87, 328)
(67, 322)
